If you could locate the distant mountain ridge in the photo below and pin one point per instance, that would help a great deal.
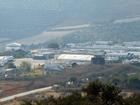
(26, 18)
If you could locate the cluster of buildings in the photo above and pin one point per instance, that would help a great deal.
(98, 52)
(123, 52)
(5, 59)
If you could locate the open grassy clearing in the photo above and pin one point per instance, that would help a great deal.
(44, 37)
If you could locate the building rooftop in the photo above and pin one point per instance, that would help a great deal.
(14, 45)
(80, 57)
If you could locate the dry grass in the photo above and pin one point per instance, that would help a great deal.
(44, 37)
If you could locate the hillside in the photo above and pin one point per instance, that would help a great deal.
(44, 37)
(26, 18)
(119, 30)
(93, 72)
(126, 76)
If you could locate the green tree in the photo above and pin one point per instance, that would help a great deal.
(25, 66)
(53, 45)
(106, 93)
(110, 95)
(10, 65)
(94, 89)
(19, 54)
(134, 82)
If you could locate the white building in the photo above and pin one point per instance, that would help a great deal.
(103, 42)
(75, 58)
(13, 46)
(5, 59)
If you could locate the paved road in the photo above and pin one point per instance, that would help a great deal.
(24, 94)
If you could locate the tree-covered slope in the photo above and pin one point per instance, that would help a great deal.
(114, 31)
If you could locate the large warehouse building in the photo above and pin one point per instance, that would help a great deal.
(74, 58)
